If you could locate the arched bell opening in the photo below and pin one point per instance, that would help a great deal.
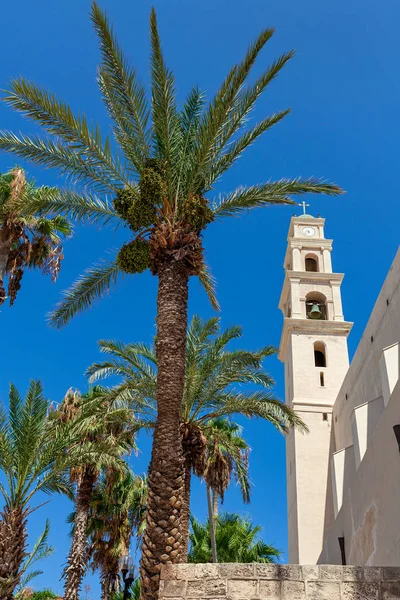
(316, 306)
(311, 263)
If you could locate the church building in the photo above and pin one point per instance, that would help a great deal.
(343, 477)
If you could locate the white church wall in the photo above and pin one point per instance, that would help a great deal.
(363, 381)
(369, 515)
(371, 496)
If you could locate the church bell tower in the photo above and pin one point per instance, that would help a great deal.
(314, 350)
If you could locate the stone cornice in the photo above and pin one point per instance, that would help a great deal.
(307, 242)
(310, 326)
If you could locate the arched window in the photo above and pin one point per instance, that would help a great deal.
(319, 354)
(311, 264)
(316, 306)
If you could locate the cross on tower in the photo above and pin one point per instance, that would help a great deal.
(304, 205)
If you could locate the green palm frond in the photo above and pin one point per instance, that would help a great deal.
(277, 192)
(236, 149)
(190, 118)
(53, 154)
(124, 95)
(246, 100)
(58, 119)
(208, 282)
(262, 405)
(217, 117)
(167, 131)
(78, 206)
(40, 550)
(93, 284)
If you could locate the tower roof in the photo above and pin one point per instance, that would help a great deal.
(306, 216)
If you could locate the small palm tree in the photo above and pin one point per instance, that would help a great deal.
(33, 458)
(214, 380)
(108, 433)
(28, 239)
(227, 455)
(237, 541)
(117, 513)
(161, 173)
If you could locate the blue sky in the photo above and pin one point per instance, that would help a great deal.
(344, 91)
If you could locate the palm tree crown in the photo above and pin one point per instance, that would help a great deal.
(28, 238)
(214, 381)
(158, 174)
(237, 541)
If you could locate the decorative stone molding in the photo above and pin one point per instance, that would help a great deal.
(278, 582)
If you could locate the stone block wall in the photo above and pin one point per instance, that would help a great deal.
(278, 582)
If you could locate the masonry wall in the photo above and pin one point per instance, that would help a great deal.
(366, 487)
(278, 582)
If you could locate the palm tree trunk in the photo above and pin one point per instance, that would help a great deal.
(185, 520)
(4, 252)
(162, 540)
(212, 525)
(110, 581)
(13, 537)
(215, 506)
(76, 564)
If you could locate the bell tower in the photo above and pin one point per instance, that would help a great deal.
(314, 350)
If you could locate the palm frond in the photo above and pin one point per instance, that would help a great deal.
(217, 116)
(123, 93)
(208, 282)
(53, 154)
(93, 284)
(189, 118)
(259, 404)
(238, 116)
(78, 206)
(167, 131)
(58, 119)
(40, 550)
(224, 162)
(272, 192)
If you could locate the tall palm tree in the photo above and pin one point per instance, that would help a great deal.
(213, 389)
(33, 459)
(108, 432)
(237, 541)
(28, 239)
(117, 513)
(161, 172)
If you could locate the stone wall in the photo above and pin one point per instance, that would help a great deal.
(278, 582)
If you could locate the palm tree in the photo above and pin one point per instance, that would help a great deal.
(33, 458)
(108, 432)
(27, 238)
(227, 454)
(213, 390)
(237, 541)
(161, 177)
(117, 512)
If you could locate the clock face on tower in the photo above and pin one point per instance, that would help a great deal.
(308, 231)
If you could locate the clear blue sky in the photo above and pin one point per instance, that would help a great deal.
(344, 89)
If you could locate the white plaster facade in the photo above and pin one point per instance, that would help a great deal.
(343, 478)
